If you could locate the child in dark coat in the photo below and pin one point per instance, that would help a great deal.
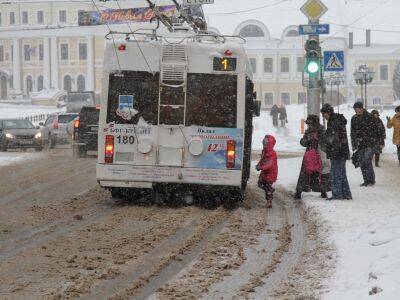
(268, 165)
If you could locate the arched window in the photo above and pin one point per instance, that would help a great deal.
(67, 83)
(292, 33)
(29, 84)
(251, 31)
(80, 82)
(40, 83)
(11, 82)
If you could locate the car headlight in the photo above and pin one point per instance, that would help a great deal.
(38, 135)
(9, 136)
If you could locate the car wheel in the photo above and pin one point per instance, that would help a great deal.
(38, 149)
(3, 149)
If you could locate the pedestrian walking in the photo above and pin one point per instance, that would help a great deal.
(338, 152)
(381, 134)
(268, 165)
(315, 168)
(364, 139)
(395, 124)
(283, 115)
(274, 113)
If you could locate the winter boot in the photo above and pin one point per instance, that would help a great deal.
(297, 195)
(324, 195)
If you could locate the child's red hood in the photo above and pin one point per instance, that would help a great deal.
(271, 143)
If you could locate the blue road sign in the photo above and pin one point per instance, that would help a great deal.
(334, 61)
(316, 29)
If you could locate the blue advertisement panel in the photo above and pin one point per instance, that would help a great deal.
(120, 16)
(215, 145)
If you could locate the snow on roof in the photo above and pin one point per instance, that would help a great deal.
(47, 94)
(344, 16)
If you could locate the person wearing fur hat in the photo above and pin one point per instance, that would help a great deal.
(337, 150)
(365, 139)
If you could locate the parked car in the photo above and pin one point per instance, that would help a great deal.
(85, 131)
(19, 134)
(55, 129)
(76, 100)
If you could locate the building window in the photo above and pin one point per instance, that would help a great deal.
(300, 64)
(12, 18)
(40, 17)
(64, 51)
(0, 19)
(11, 82)
(82, 51)
(302, 97)
(1, 53)
(284, 64)
(24, 17)
(12, 52)
(285, 98)
(268, 65)
(80, 82)
(27, 52)
(251, 31)
(40, 83)
(384, 72)
(29, 84)
(41, 52)
(253, 63)
(269, 99)
(292, 33)
(62, 16)
(377, 101)
(67, 83)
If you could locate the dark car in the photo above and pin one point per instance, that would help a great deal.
(19, 134)
(76, 100)
(86, 128)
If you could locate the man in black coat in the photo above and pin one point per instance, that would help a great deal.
(337, 150)
(365, 139)
(274, 113)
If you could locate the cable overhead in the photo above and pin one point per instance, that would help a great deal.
(112, 36)
(137, 43)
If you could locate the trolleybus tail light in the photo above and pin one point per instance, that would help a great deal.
(228, 52)
(109, 149)
(77, 122)
(230, 154)
(122, 47)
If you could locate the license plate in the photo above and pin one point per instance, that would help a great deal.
(26, 142)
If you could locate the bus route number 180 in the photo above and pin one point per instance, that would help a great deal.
(125, 139)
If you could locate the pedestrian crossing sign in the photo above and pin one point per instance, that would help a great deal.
(334, 61)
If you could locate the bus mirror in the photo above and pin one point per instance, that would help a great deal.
(257, 108)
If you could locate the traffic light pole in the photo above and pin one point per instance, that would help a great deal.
(314, 87)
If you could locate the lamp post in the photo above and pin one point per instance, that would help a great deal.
(364, 75)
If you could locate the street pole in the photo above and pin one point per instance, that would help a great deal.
(366, 98)
(314, 90)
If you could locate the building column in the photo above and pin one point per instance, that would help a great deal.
(54, 63)
(46, 63)
(90, 64)
(17, 65)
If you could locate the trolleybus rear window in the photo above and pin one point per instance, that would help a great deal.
(133, 95)
(211, 100)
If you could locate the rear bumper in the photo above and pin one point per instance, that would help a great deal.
(145, 177)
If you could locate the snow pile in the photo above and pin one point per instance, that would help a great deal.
(366, 231)
(19, 111)
(288, 139)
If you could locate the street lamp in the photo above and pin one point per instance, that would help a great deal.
(364, 75)
(335, 79)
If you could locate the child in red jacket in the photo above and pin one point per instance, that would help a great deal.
(268, 165)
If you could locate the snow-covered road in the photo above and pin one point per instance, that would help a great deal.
(365, 231)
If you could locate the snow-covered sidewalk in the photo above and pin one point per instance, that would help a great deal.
(366, 231)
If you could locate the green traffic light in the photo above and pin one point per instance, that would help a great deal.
(313, 67)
